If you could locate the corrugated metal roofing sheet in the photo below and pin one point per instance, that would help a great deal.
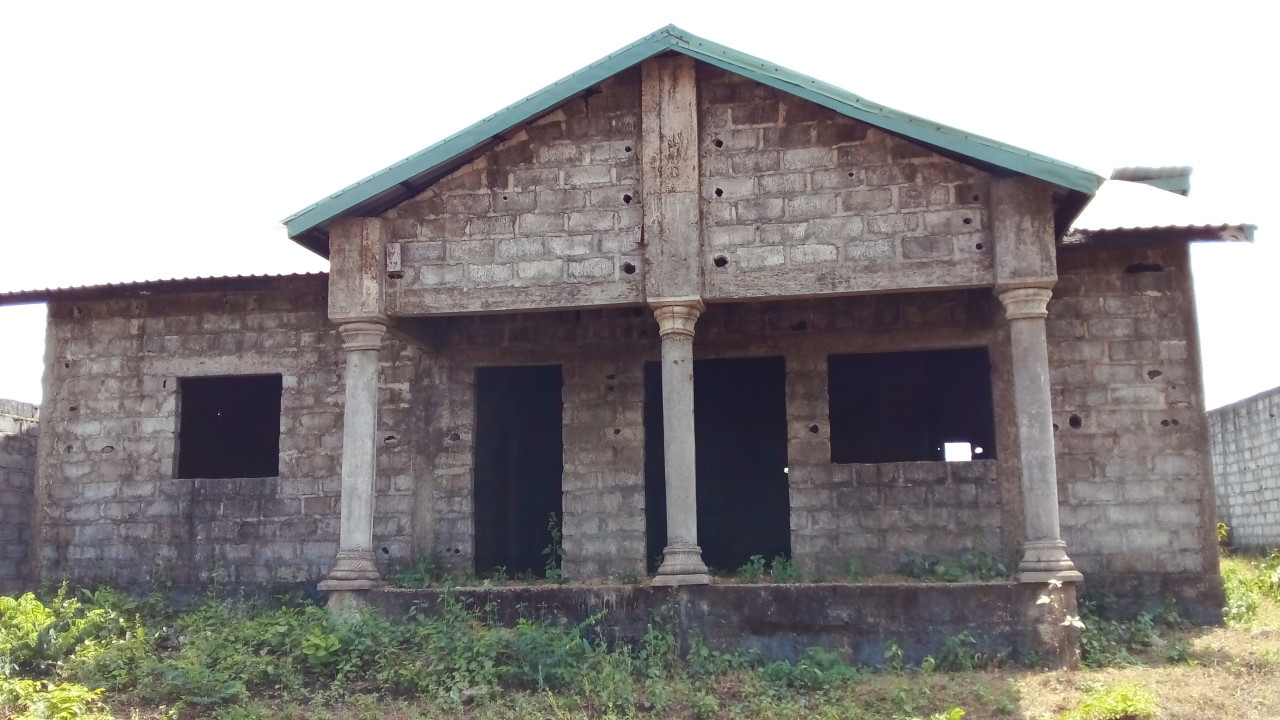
(144, 288)
(1162, 233)
(394, 184)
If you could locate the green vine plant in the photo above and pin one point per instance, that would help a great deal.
(555, 550)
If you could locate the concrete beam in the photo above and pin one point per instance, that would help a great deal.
(357, 270)
(669, 151)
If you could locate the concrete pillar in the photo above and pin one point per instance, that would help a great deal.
(1044, 554)
(355, 569)
(682, 558)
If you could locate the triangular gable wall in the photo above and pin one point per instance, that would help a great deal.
(406, 178)
(797, 200)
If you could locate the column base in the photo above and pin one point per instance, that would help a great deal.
(1045, 560)
(354, 565)
(682, 565)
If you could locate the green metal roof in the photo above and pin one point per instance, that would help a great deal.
(405, 179)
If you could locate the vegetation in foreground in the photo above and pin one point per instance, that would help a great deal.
(105, 655)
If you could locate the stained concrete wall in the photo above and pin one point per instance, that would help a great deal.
(1134, 480)
(549, 217)
(781, 622)
(801, 200)
(19, 432)
(1245, 441)
(110, 508)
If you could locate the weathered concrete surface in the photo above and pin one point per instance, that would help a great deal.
(800, 200)
(1245, 441)
(357, 255)
(669, 144)
(681, 557)
(110, 508)
(1134, 482)
(19, 433)
(355, 567)
(782, 621)
(875, 513)
(549, 217)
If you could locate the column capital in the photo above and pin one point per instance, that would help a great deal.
(362, 335)
(677, 316)
(1025, 302)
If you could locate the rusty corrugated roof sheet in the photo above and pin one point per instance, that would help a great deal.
(1160, 234)
(147, 288)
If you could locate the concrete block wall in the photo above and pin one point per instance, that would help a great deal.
(549, 217)
(110, 508)
(1135, 492)
(19, 434)
(601, 353)
(799, 199)
(1245, 441)
(875, 513)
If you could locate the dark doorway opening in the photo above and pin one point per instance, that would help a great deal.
(229, 427)
(518, 466)
(908, 406)
(740, 423)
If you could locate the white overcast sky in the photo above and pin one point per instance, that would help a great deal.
(153, 140)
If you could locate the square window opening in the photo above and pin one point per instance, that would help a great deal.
(911, 406)
(229, 427)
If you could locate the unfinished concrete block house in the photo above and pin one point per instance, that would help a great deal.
(696, 306)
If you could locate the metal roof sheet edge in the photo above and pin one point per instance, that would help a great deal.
(1227, 232)
(142, 288)
(433, 157)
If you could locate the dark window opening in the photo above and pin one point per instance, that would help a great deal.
(909, 406)
(229, 427)
(740, 426)
(518, 466)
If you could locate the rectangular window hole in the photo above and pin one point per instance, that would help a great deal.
(229, 427)
(911, 406)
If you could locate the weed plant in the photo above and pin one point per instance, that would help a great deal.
(969, 566)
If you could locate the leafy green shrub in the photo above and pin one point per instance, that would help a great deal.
(1269, 574)
(555, 550)
(42, 700)
(816, 669)
(1244, 590)
(894, 658)
(970, 566)
(93, 640)
(1130, 701)
(753, 571)
(785, 570)
(1117, 643)
(430, 570)
(958, 653)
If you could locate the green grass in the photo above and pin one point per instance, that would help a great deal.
(103, 654)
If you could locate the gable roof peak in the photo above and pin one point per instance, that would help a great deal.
(405, 179)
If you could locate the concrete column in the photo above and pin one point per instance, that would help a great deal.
(682, 558)
(1044, 554)
(355, 568)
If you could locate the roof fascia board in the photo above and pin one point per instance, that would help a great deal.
(916, 128)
